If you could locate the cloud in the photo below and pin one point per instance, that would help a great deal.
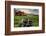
(26, 11)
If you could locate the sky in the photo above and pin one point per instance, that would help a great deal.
(27, 10)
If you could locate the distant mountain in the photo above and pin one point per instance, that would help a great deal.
(19, 13)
